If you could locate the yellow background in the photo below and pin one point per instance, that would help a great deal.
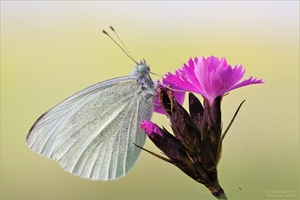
(50, 50)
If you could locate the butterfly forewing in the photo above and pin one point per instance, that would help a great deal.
(91, 134)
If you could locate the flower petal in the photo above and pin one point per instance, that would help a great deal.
(150, 128)
(211, 77)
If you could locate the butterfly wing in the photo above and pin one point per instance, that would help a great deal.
(91, 134)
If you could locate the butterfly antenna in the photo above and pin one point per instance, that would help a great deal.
(124, 46)
(126, 52)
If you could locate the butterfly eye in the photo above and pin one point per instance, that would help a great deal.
(143, 69)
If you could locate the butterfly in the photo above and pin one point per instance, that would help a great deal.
(94, 133)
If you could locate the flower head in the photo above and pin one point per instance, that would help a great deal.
(195, 145)
(211, 77)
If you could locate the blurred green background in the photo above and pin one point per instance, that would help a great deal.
(50, 50)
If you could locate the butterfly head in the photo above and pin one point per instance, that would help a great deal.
(141, 69)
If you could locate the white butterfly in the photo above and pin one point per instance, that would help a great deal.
(92, 133)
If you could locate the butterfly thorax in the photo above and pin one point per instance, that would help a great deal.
(141, 73)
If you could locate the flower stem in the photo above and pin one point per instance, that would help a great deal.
(218, 192)
(222, 196)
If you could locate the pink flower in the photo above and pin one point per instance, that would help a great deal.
(210, 77)
(195, 146)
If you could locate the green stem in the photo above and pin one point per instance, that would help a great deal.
(218, 192)
(222, 196)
